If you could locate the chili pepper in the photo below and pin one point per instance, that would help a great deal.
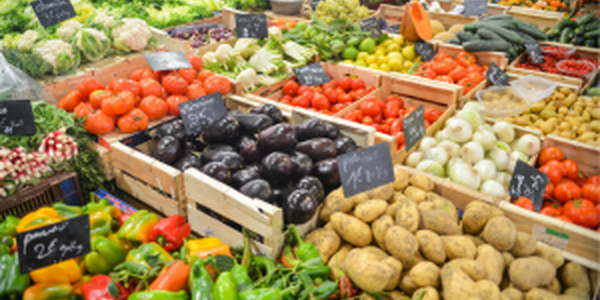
(174, 278)
(203, 244)
(9, 226)
(102, 205)
(124, 243)
(200, 282)
(288, 258)
(97, 289)
(137, 227)
(39, 218)
(240, 277)
(100, 223)
(12, 283)
(263, 262)
(67, 211)
(141, 254)
(170, 232)
(48, 291)
(305, 251)
(325, 290)
(261, 294)
(316, 271)
(345, 287)
(219, 250)
(224, 288)
(123, 217)
(159, 295)
(105, 255)
(247, 253)
(64, 272)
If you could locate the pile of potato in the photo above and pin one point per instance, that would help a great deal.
(407, 242)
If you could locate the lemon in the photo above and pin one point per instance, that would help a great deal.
(367, 45)
(392, 48)
(386, 43)
(395, 55)
(382, 59)
(399, 40)
(396, 64)
(371, 59)
(409, 53)
(362, 56)
(361, 63)
(373, 66)
(380, 52)
(384, 67)
(407, 65)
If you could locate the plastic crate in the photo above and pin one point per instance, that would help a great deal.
(120, 204)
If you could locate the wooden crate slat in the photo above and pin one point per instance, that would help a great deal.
(393, 15)
(147, 194)
(587, 156)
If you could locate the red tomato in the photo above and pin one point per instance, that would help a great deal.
(338, 107)
(525, 203)
(441, 68)
(358, 84)
(290, 88)
(409, 110)
(582, 212)
(150, 87)
(195, 91)
(466, 59)
(301, 101)
(396, 126)
(400, 138)
(391, 109)
(566, 191)
(83, 109)
(98, 122)
(553, 173)
(394, 98)
(98, 96)
(140, 74)
(70, 101)
(473, 68)
(591, 192)
(426, 74)
(175, 85)
(458, 73)
(550, 153)
(173, 103)
(383, 128)
(475, 76)
(320, 102)
(571, 168)
(133, 121)
(550, 211)
(549, 191)
(155, 108)
(594, 179)
(217, 84)
(367, 120)
(205, 74)
(565, 219)
(442, 56)
(196, 61)
(88, 86)
(119, 103)
(370, 108)
(432, 114)
(445, 78)
(467, 85)
(554, 205)
(346, 83)
(121, 84)
(188, 75)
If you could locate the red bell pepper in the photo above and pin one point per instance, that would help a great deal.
(97, 289)
(122, 218)
(170, 232)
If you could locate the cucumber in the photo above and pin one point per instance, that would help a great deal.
(579, 30)
(506, 34)
(464, 36)
(566, 35)
(590, 43)
(475, 46)
(499, 18)
(526, 38)
(486, 34)
(532, 31)
(453, 41)
(592, 34)
(586, 19)
(471, 27)
(559, 27)
(592, 26)
(577, 40)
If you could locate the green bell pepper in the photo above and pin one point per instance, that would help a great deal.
(325, 290)
(67, 211)
(200, 282)
(100, 223)
(6, 242)
(159, 295)
(142, 253)
(261, 294)
(105, 255)
(9, 226)
(224, 288)
(12, 283)
(138, 226)
(240, 277)
(103, 205)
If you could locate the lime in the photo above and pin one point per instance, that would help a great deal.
(392, 48)
(361, 63)
(301, 25)
(367, 45)
(409, 53)
(362, 56)
(396, 64)
(350, 53)
(371, 59)
(373, 66)
(384, 67)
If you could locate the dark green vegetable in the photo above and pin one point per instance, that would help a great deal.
(499, 18)
(532, 31)
(566, 35)
(453, 41)
(587, 18)
(486, 34)
(592, 34)
(505, 33)
(526, 38)
(560, 26)
(591, 43)
(464, 36)
(475, 46)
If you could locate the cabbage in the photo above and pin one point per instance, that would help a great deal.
(93, 43)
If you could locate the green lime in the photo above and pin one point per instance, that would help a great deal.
(301, 25)
(350, 53)
(367, 45)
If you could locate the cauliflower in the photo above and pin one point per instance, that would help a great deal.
(131, 35)
(57, 53)
(248, 78)
(209, 58)
(93, 43)
(27, 40)
(266, 61)
(67, 30)
(246, 47)
(275, 32)
(299, 53)
(105, 20)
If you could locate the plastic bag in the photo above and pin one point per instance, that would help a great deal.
(533, 88)
(16, 85)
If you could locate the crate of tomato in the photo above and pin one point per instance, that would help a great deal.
(570, 214)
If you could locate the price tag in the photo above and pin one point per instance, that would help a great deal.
(314, 4)
(529, 182)
(425, 50)
(365, 169)
(199, 114)
(48, 245)
(414, 128)
(535, 52)
(476, 7)
(371, 25)
(160, 61)
(312, 75)
(217, 13)
(251, 25)
(496, 76)
(51, 12)
(16, 118)
(394, 29)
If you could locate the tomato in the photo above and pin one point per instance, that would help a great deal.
(550, 153)
(441, 68)
(70, 101)
(426, 74)
(155, 108)
(286, 101)
(175, 85)
(196, 61)
(391, 109)
(582, 212)
(368, 120)
(119, 103)
(525, 203)
(571, 168)
(445, 78)
(98, 122)
(338, 107)
(121, 84)
(344, 98)
(441, 56)
(140, 74)
(173, 103)
(320, 102)
(217, 84)
(465, 59)
(150, 87)
(467, 85)
(409, 110)
(88, 86)
(591, 192)
(566, 191)
(458, 73)
(554, 174)
(331, 95)
(554, 205)
(205, 74)
(195, 91)
(594, 179)
(432, 114)
(484, 69)
(82, 109)
(383, 128)
(370, 108)
(394, 98)
(396, 126)
(290, 88)
(346, 83)
(358, 84)
(473, 69)
(301, 101)
(133, 121)
(424, 66)
(475, 76)
(188, 75)
(98, 96)
(550, 211)
(400, 138)
(565, 219)
(549, 191)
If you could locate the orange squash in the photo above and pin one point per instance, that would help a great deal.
(415, 23)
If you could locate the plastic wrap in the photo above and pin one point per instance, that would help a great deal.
(16, 85)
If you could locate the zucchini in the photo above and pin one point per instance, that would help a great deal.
(587, 18)
(499, 18)
(464, 36)
(566, 35)
(532, 31)
(577, 40)
(579, 30)
(526, 38)
(592, 34)
(552, 36)
(453, 41)
(592, 26)
(475, 46)
(471, 27)
(590, 43)
(486, 34)
(560, 26)
(505, 34)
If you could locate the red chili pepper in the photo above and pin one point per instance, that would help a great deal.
(346, 290)
(170, 232)
(288, 259)
(97, 289)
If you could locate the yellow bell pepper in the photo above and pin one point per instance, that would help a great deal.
(64, 272)
(39, 218)
(204, 244)
(124, 243)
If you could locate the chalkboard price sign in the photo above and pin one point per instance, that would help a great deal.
(251, 25)
(425, 50)
(496, 76)
(394, 29)
(199, 114)
(52, 12)
(535, 52)
(314, 4)
(371, 25)
(475, 7)
(48, 245)
(529, 182)
(16, 118)
(160, 61)
(365, 169)
(312, 75)
(414, 127)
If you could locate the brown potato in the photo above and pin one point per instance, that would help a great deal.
(425, 274)
(423, 182)
(489, 290)
(540, 294)
(525, 245)
(501, 233)
(457, 285)
(412, 261)
(336, 262)
(508, 259)
(370, 210)
(439, 221)
(376, 252)
(401, 243)
(366, 272)
(400, 178)
(351, 229)
(398, 197)
(478, 241)
(426, 293)
(406, 284)
(574, 275)
(513, 294)
(335, 202)
(475, 216)
(407, 215)
(396, 267)
(415, 193)
(446, 205)
(577, 292)
(425, 205)
(492, 261)
(458, 246)
(471, 267)
(326, 240)
(380, 227)
(531, 272)
(431, 246)
(553, 286)
(385, 192)
(570, 297)
(397, 295)
(360, 198)
(392, 208)
(550, 254)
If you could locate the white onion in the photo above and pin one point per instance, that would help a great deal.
(486, 138)
(472, 152)
(414, 159)
(432, 167)
(474, 105)
(438, 154)
(464, 174)
(427, 143)
(504, 132)
(452, 148)
(504, 179)
(514, 157)
(492, 187)
(500, 158)
(486, 169)
(458, 130)
(529, 144)
(470, 116)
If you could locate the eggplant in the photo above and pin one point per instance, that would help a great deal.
(243, 176)
(253, 123)
(270, 110)
(279, 137)
(224, 131)
(331, 131)
(276, 168)
(303, 165)
(218, 171)
(242, 139)
(314, 186)
(220, 147)
(193, 145)
(189, 160)
(174, 128)
(318, 148)
(167, 149)
(281, 193)
(345, 145)
(257, 188)
(312, 128)
(328, 173)
(232, 160)
(250, 151)
(299, 207)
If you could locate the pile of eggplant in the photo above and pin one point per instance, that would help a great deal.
(262, 156)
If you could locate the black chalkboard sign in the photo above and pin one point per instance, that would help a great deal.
(371, 25)
(160, 61)
(217, 13)
(314, 4)
(52, 12)
(414, 127)
(475, 7)
(529, 182)
(394, 29)
(16, 118)
(425, 50)
(312, 75)
(535, 52)
(365, 169)
(496, 76)
(251, 25)
(199, 114)
(48, 245)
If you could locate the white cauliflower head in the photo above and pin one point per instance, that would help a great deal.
(57, 53)
(131, 35)
(104, 19)
(93, 43)
(68, 29)
(27, 40)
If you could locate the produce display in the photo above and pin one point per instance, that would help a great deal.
(563, 61)
(390, 55)
(580, 31)
(551, 5)
(351, 10)
(282, 23)
(204, 35)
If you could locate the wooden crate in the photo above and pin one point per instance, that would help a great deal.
(542, 19)
(393, 15)
(185, 46)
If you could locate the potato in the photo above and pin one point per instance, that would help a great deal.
(425, 274)
(336, 262)
(489, 290)
(513, 294)
(540, 294)
(550, 254)
(392, 208)
(425, 205)
(376, 252)
(478, 241)
(325, 240)
(335, 202)
(570, 297)
(351, 229)
(412, 261)
(531, 272)
(476, 214)
(577, 292)
(370, 210)
(415, 193)
(360, 198)
(505, 283)
(504, 297)
(397, 295)
(407, 215)
(457, 285)
(401, 243)
(524, 246)
(508, 259)
(458, 246)
(431, 246)
(366, 272)
(573, 274)
(432, 196)
(400, 178)
(439, 221)
(426, 293)
(553, 286)
(406, 284)
(500, 232)
(398, 197)
(492, 261)
(422, 182)
(365, 296)
(380, 227)
(396, 267)
(385, 192)
(471, 267)
(444, 204)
